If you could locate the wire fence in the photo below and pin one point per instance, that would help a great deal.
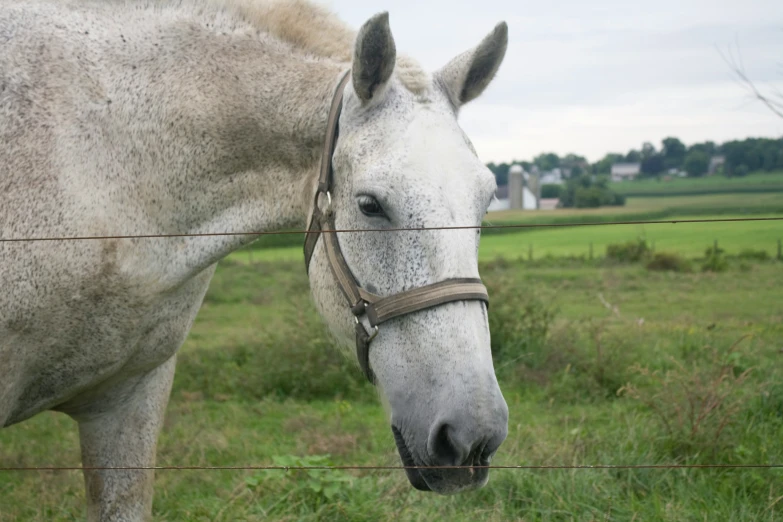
(375, 468)
(404, 229)
(387, 467)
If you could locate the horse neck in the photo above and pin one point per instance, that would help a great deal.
(250, 120)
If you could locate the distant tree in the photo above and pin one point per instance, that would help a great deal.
(696, 163)
(673, 152)
(770, 156)
(547, 161)
(633, 156)
(754, 153)
(708, 147)
(573, 159)
(604, 165)
(551, 191)
(573, 165)
(653, 165)
(652, 161)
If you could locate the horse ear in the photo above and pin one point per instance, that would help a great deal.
(465, 77)
(374, 56)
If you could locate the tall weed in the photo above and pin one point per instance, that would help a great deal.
(694, 404)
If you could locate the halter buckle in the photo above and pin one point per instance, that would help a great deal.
(362, 307)
(374, 333)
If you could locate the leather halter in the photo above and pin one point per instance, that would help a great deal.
(375, 308)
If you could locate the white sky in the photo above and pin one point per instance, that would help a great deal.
(597, 76)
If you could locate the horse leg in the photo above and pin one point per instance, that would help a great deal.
(124, 433)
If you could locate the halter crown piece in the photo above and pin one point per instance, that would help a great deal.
(363, 304)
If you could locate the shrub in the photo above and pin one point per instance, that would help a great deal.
(754, 255)
(519, 322)
(586, 192)
(630, 252)
(667, 261)
(588, 197)
(714, 251)
(715, 263)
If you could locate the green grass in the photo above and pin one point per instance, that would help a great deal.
(259, 382)
(687, 239)
(754, 183)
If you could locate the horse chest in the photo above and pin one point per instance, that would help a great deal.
(91, 340)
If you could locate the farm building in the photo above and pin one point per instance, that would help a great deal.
(518, 194)
(625, 171)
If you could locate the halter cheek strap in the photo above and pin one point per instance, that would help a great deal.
(363, 304)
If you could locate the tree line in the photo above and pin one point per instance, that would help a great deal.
(741, 157)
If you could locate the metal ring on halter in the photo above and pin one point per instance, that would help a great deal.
(328, 200)
(375, 329)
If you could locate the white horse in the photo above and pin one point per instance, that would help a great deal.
(198, 117)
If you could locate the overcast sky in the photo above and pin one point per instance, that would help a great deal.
(594, 76)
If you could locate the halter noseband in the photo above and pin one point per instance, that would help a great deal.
(375, 308)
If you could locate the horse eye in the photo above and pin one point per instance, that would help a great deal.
(370, 207)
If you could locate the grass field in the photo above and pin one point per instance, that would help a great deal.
(754, 183)
(599, 365)
(687, 239)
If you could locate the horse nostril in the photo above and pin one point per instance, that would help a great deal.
(492, 445)
(445, 447)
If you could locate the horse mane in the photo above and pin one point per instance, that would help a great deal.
(317, 31)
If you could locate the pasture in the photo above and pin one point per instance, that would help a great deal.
(600, 364)
(653, 187)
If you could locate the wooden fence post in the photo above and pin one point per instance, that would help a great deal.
(591, 250)
(780, 250)
(530, 252)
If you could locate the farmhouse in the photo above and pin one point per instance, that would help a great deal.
(625, 171)
(553, 177)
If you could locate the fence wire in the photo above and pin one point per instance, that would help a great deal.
(375, 468)
(404, 229)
